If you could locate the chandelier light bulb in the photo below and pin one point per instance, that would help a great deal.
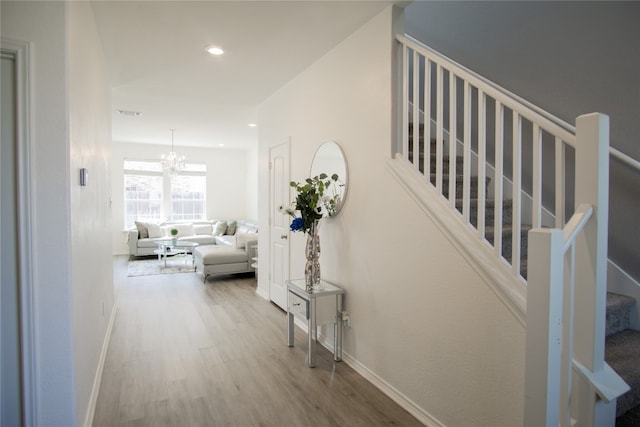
(172, 163)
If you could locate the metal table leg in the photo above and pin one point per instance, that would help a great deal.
(337, 331)
(290, 329)
(313, 330)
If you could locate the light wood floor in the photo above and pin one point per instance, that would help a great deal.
(184, 353)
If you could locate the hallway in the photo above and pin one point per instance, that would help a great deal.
(187, 354)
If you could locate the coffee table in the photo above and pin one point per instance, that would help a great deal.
(169, 247)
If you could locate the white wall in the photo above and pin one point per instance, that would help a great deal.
(90, 147)
(252, 183)
(72, 281)
(227, 180)
(422, 320)
(44, 24)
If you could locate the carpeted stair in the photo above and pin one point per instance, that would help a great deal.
(622, 353)
(490, 204)
(622, 345)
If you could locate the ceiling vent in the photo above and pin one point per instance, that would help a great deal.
(129, 113)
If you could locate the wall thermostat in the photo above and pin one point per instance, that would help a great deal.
(84, 175)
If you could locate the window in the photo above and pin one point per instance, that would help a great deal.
(151, 195)
(142, 191)
(188, 192)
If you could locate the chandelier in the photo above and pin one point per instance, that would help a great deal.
(172, 163)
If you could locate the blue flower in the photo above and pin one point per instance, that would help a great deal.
(296, 224)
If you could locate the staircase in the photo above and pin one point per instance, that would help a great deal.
(468, 122)
(622, 346)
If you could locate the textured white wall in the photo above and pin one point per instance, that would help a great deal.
(252, 183)
(422, 319)
(90, 147)
(44, 24)
(227, 178)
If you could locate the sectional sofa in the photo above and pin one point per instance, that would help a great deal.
(224, 246)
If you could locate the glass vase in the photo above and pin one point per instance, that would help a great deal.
(312, 253)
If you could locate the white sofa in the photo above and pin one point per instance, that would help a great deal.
(225, 246)
(238, 257)
(225, 233)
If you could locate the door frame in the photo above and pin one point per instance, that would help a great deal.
(20, 51)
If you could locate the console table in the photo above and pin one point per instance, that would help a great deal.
(320, 307)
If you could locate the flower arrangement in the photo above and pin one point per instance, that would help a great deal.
(174, 232)
(312, 201)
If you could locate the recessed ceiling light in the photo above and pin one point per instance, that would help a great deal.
(215, 50)
(220, 145)
(129, 113)
(252, 125)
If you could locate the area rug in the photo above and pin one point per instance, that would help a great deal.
(150, 266)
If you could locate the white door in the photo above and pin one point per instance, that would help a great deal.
(279, 232)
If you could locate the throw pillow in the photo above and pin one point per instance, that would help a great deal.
(143, 232)
(220, 228)
(202, 229)
(244, 239)
(155, 230)
(231, 228)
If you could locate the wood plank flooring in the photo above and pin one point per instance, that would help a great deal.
(184, 353)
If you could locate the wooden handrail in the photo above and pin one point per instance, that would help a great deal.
(508, 99)
(564, 129)
(630, 161)
(576, 224)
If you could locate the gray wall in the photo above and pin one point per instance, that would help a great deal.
(569, 58)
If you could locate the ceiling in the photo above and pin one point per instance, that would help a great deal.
(158, 64)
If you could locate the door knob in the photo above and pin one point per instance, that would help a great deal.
(284, 236)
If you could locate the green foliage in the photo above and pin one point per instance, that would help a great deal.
(311, 200)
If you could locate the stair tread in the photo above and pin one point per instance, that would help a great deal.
(488, 203)
(622, 353)
(618, 312)
(508, 228)
(445, 156)
(617, 301)
(459, 176)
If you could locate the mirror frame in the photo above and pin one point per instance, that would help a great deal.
(336, 151)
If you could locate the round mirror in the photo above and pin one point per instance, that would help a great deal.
(330, 160)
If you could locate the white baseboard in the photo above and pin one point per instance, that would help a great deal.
(262, 293)
(403, 401)
(91, 410)
(407, 404)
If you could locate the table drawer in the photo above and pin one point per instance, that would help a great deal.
(298, 306)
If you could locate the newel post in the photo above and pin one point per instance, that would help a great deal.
(543, 364)
(592, 187)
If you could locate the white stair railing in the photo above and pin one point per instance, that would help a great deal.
(467, 115)
(448, 108)
(566, 301)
